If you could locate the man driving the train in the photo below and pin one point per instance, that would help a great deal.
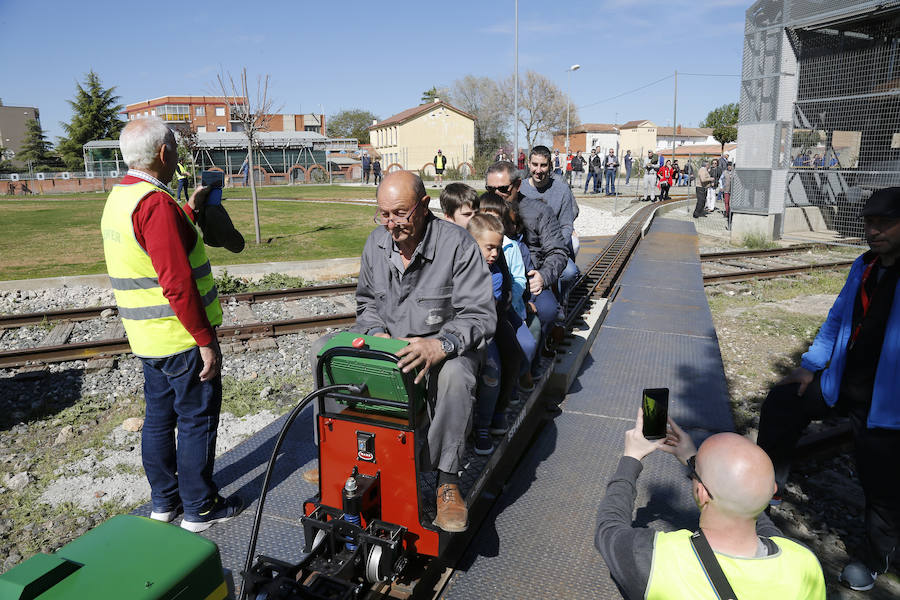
(423, 279)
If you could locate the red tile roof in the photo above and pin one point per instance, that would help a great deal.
(594, 128)
(409, 113)
(685, 131)
(636, 124)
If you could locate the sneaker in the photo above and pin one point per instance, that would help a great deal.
(499, 426)
(166, 516)
(218, 511)
(858, 576)
(483, 443)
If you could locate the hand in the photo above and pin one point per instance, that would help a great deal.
(421, 352)
(212, 359)
(198, 198)
(382, 335)
(678, 443)
(535, 282)
(636, 445)
(799, 375)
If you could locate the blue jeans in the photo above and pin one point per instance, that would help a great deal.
(567, 279)
(610, 181)
(488, 387)
(182, 184)
(590, 175)
(175, 397)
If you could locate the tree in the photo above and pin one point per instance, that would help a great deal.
(433, 94)
(723, 121)
(95, 117)
(482, 98)
(36, 149)
(188, 144)
(351, 123)
(542, 106)
(253, 117)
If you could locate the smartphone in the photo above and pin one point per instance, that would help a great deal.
(215, 180)
(655, 405)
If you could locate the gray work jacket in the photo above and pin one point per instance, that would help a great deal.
(446, 288)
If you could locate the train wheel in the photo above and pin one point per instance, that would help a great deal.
(375, 567)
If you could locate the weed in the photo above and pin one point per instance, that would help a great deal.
(758, 241)
(243, 397)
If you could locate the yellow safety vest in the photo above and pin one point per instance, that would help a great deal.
(440, 161)
(792, 572)
(181, 171)
(152, 327)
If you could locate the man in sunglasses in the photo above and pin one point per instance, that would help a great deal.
(542, 236)
(731, 481)
(423, 279)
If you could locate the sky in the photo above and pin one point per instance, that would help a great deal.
(378, 57)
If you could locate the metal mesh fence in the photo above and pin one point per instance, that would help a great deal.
(819, 125)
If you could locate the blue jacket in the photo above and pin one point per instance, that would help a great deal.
(829, 352)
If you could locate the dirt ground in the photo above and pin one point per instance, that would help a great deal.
(763, 328)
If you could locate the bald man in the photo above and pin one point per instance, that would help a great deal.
(423, 279)
(731, 483)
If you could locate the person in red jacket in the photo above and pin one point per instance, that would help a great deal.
(665, 180)
(569, 168)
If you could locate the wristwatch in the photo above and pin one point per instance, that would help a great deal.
(447, 346)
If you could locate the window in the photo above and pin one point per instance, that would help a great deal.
(201, 129)
(175, 112)
(220, 128)
(146, 114)
(200, 111)
(153, 113)
(220, 111)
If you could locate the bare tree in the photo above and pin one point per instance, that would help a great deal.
(254, 116)
(542, 106)
(188, 140)
(482, 98)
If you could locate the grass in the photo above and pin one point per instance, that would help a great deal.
(49, 239)
(758, 241)
(774, 290)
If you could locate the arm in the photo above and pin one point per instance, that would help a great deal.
(368, 320)
(627, 551)
(819, 353)
(168, 239)
(553, 254)
(567, 214)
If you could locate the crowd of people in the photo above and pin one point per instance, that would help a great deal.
(479, 295)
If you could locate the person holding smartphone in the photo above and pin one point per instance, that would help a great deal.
(731, 481)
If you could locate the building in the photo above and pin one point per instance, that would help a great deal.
(819, 78)
(410, 139)
(212, 114)
(684, 136)
(637, 136)
(586, 136)
(13, 121)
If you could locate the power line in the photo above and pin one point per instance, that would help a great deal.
(626, 93)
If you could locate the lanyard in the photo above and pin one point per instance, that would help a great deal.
(865, 300)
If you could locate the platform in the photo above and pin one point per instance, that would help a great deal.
(538, 541)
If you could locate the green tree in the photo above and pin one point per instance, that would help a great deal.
(36, 149)
(351, 123)
(433, 94)
(95, 116)
(723, 121)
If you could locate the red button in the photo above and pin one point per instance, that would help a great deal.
(359, 343)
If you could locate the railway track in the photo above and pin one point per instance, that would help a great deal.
(85, 314)
(744, 265)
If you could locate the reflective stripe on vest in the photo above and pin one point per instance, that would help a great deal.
(792, 572)
(152, 327)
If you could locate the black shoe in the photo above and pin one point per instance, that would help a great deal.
(217, 511)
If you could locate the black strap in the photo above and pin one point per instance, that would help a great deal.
(711, 567)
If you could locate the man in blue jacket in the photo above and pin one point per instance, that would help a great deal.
(853, 368)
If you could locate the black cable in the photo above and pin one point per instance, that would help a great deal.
(626, 93)
(355, 389)
(709, 74)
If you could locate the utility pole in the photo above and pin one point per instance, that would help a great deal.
(674, 115)
(516, 85)
(569, 102)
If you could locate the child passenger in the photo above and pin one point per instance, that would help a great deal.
(459, 202)
(489, 413)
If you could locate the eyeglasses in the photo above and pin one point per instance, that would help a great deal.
(383, 218)
(692, 465)
(503, 189)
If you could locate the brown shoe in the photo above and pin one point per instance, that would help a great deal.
(452, 514)
(311, 475)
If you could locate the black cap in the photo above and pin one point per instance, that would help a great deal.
(883, 203)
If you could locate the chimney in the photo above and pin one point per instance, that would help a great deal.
(374, 121)
(436, 100)
(678, 130)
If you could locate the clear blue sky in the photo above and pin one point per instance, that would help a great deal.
(375, 56)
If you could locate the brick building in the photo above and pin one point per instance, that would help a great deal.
(211, 114)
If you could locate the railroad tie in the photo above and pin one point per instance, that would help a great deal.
(114, 330)
(243, 314)
(58, 336)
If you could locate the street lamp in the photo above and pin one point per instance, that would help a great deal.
(569, 102)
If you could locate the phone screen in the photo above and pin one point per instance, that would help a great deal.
(215, 180)
(655, 405)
